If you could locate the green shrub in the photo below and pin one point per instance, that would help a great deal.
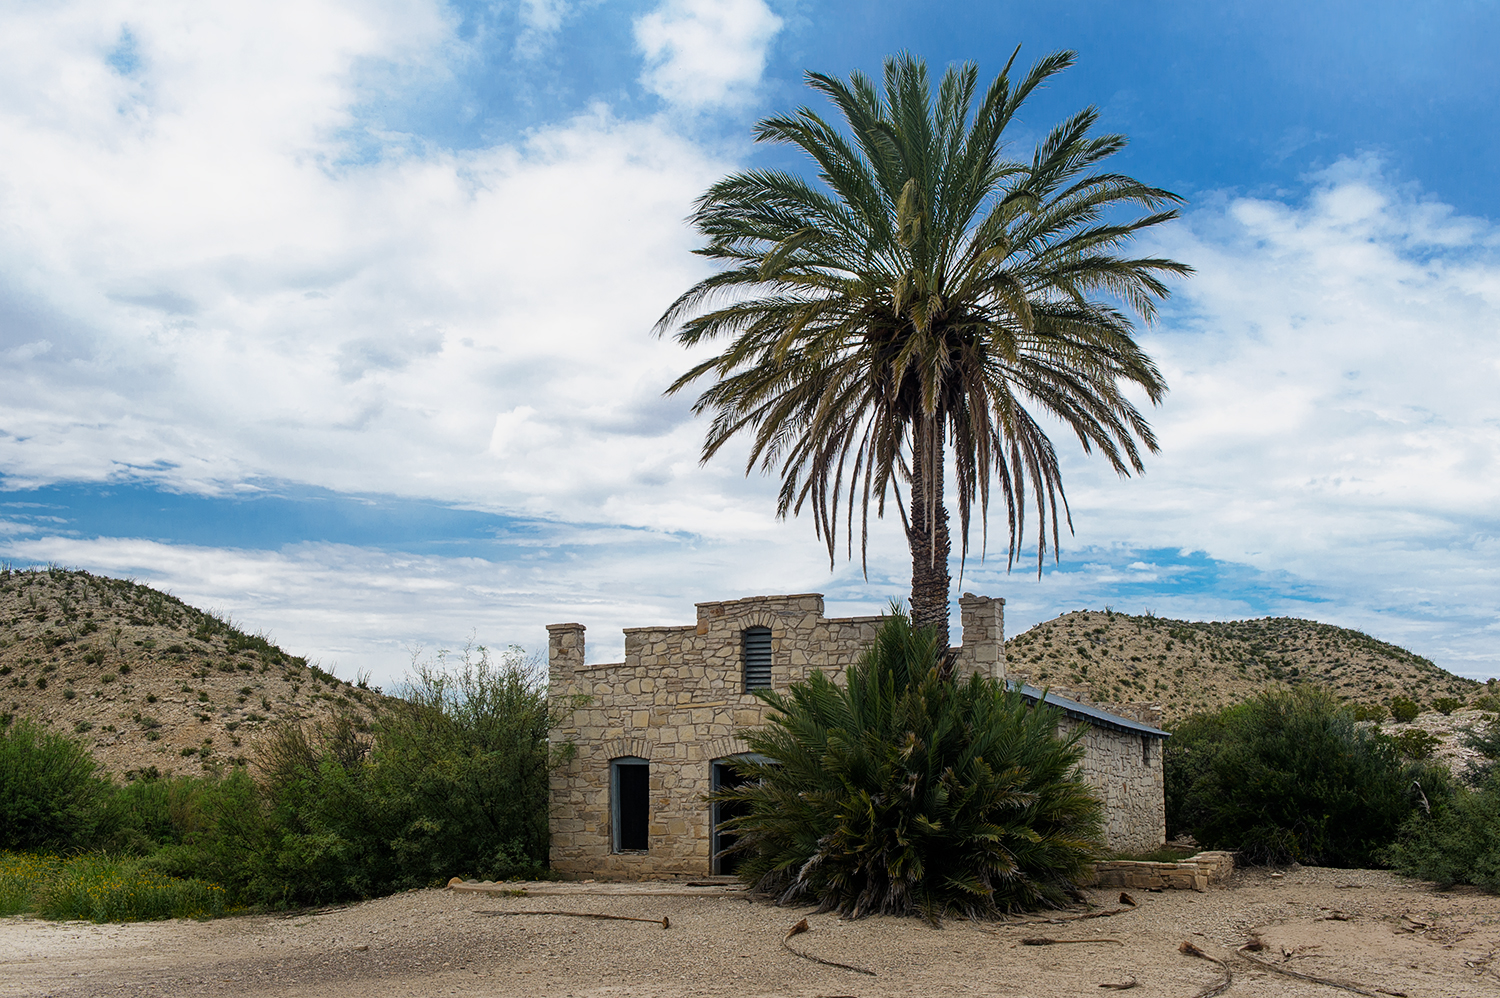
(1458, 843)
(1369, 712)
(51, 796)
(1447, 705)
(1404, 709)
(462, 761)
(1416, 744)
(458, 786)
(1485, 741)
(1288, 776)
(904, 793)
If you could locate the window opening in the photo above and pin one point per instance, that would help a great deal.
(1146, 750)
(630, 793)
(757, 658)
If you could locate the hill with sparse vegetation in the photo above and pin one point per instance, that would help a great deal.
(1186, 667)
(150, 684)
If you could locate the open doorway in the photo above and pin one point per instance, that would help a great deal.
(724, 778)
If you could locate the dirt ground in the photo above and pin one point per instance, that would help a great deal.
(1369, 929)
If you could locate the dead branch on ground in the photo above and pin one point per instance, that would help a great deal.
(802, 927)
(1254, 945)
(1189, 949)
(664, 922)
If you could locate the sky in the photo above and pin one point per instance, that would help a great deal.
(336, 317)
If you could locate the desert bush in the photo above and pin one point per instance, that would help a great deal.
(1404, 709)
(462, 761)
(1458, 842)
(904, 793)
(454, 784)
(1416, 744)
(1369, 712)
(51, 794)
(1290, 776)
(1447, 705)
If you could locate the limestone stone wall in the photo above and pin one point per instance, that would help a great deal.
(678, 701)
(1197, 873)
(1126, 771)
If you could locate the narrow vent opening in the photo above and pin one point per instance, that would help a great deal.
(757, 658)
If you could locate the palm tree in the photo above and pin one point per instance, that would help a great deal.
(926, 295)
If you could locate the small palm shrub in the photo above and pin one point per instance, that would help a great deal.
(903, 793)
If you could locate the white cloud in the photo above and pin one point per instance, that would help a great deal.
(200, 287)
(702, 53)
(540, 22)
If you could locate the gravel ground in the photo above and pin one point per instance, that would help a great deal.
(1368, 928)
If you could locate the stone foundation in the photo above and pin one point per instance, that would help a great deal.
(1195, 873)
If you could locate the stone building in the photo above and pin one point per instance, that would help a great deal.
(654, 733)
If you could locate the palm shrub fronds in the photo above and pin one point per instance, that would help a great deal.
(900, 793)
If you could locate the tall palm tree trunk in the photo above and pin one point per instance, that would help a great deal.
(928, 534)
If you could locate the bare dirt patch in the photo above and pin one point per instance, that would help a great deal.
(1370, 929)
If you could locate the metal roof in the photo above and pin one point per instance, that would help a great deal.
(1093, 715)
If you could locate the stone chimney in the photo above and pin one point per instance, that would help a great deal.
(983, 621)
(564, 655)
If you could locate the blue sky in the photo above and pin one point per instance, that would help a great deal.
(336, 316)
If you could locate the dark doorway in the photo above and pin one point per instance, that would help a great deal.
(632, 804)
(724, 778)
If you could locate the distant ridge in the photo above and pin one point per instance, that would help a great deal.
(1116, 659)
(149, 682)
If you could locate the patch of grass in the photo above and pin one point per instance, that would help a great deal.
(98, 888)
(22, 876)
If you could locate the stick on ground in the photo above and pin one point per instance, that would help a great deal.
(1248, 948)
(802, 927)
(664, 922)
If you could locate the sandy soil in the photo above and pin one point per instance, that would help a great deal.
(1371, 929)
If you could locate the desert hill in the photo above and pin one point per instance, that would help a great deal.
(1115, 659)
(147, 681)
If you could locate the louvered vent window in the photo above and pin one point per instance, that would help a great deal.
(757, 658)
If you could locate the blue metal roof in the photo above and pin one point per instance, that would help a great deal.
(1093, 715)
